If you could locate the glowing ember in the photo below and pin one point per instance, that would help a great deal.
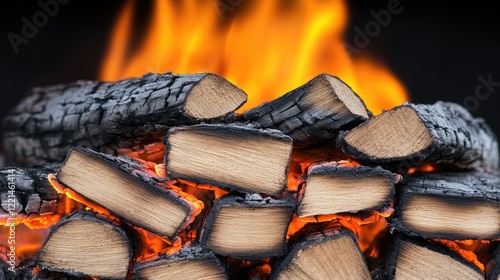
(265, 48)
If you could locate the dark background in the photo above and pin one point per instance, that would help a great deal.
(438, 50)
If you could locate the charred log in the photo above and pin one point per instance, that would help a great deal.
(312, 113)
(417, 259)
(27, 192)
(411, 135)
(87, 244)
(108, 116)
(454, 206)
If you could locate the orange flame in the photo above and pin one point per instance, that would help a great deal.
(265, 47)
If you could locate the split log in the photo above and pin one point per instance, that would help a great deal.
(312, 113)
(237, 157)
(27, 192)
(192, 262)
(411, 135)
(108, 116)
(248, 228)
(329, 254)
(417, 259)
(454, 206)
(332, 188)
(125, 188)
(84, 243)
(493, 266)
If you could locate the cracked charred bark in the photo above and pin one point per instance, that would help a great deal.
(32, 193)
(108, 116)
(414, 134)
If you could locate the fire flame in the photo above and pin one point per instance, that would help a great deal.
(265, 47)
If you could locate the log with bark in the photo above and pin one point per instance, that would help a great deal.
(250, 227)
(127, 189)
(191, 262)
(87, 244)
(411, 135)
(410, 258)
(340, 187)
(332, 253)
(27, 192)
(237, 157)
(109, 116)
(312, 113)
(453, 206)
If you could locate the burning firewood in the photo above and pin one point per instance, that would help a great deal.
(26, 191)
(449, 205)
(108, 116)
(314, 112)
(127, 189)
(84, 243)
(230, 156)
(417, 259)
(248, 228)
(332, 253)
(192, 262)
(493, 267)
(332, 188)
(411, 135)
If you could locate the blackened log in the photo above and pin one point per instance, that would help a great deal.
(29, 271)
(411, 135)
(493, 266)
(250, 227)
(235, 156)
(413, 258)
(85, 243)
(340, 187)
(108, 116)
(27, 192)
(312, 113)
(127, 189)
(6, 271)
(191, 262)
(322, 255)
(454, 206)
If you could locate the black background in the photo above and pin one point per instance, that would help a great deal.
(438, 50)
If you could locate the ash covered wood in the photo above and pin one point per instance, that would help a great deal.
(453, 206)
(27, 192)
(86, 244)
(126, 188)
(191, 262)
(250, 227)
(312, 113)
(414, 134)
(410, 258)
(339, 187)
(108, 116)
(238, 157)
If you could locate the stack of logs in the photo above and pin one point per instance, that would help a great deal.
(263, 194)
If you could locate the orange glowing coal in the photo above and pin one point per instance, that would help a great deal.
(265, 47)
